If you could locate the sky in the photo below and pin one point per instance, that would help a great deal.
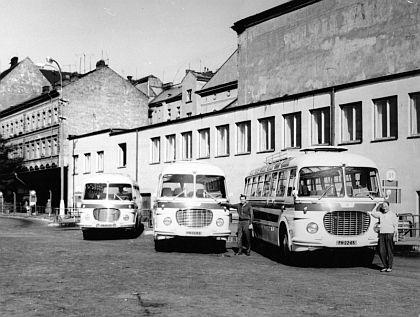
(135, 37)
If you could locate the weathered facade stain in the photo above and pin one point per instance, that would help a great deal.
(327, 43)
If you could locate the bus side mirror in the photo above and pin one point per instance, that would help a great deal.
(294, 193)
(387, 193)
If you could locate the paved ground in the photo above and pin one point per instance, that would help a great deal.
(51, 271)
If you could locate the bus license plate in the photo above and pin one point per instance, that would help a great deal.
(194, 233)
(346, 242)
(106, 225)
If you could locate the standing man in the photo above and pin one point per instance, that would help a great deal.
(245, 223)
(388, 229)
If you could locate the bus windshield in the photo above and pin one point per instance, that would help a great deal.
(320, 181)
(98, 191)
(362, 182)
(328, 181)
(182, 185)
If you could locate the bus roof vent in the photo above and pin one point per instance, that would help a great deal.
(279, 156)
(325, 148)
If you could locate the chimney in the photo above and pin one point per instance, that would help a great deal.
(14, 61)
(167, 85)
(45, 89)
(100, 64)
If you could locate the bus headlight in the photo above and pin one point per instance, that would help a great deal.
(219, 222)
(126, 217)
(376, 227)
(312, 227)
(167, 221)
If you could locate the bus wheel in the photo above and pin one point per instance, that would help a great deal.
(87, 235)
(160, 245)
(286, 254)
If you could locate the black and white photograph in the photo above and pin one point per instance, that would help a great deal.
(210, 158)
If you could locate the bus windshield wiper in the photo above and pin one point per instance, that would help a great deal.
(184, 191)
(211, 196)
(325, 192)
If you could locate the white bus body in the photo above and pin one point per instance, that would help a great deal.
(186, 203)
(318, 199)
(110, 201)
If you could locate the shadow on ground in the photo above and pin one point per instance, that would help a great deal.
(328, 258)
(114, 234)
(192, 245)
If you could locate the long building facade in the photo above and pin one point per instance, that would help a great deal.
(308, 73)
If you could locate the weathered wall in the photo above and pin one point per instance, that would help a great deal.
(328, 43)
(24, 82)
(101, 100)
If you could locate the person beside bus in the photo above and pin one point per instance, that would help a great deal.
(388, 229)
(244, 224)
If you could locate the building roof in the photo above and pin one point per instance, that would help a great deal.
(201, 76)
(29, 103)
(170, 94)
(53, 76)
(286, 7)
(224, 76)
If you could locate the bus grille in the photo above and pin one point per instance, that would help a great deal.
(346, 223)
(194, 218)
(106, 214)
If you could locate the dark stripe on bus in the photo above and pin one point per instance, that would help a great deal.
(261, 215)
(188, 205)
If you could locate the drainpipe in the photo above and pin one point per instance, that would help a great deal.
(332, 117)
(137, 155)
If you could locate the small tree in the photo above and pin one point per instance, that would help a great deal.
(9, 166)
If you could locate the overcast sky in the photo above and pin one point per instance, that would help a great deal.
(135, 37)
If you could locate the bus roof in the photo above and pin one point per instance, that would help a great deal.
(189, 167)
(318, 159)
(109, 178)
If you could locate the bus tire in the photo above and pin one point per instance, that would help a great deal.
(285, 253)
(160, 245)
(87, 235)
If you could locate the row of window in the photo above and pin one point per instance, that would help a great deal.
(99, 160)
(37, 149)
(385, 127)
(29, 122)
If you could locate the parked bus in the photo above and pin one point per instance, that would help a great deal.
(186, 204)
(316, 198)
(110, 202)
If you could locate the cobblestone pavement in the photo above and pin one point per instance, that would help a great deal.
(52, 271)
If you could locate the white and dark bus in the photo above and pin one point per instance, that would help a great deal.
(110, 202)
(186, 204)
(316, 198)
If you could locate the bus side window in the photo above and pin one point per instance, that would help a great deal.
(281, 184)
(290, 186)
(248, 185)
(273, 184)
(267, 183)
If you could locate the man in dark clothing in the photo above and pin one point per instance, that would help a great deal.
(245, 223)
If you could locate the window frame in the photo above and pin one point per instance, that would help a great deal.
(267, 137)
(170, 148)
(222, 143)
(186, 145)
(203, 144)
(296, 142)
(321, 131)
(243, 143)
(391, 101)
(155, 150)
(122, 155)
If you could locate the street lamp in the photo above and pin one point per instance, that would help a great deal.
(60, 138)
